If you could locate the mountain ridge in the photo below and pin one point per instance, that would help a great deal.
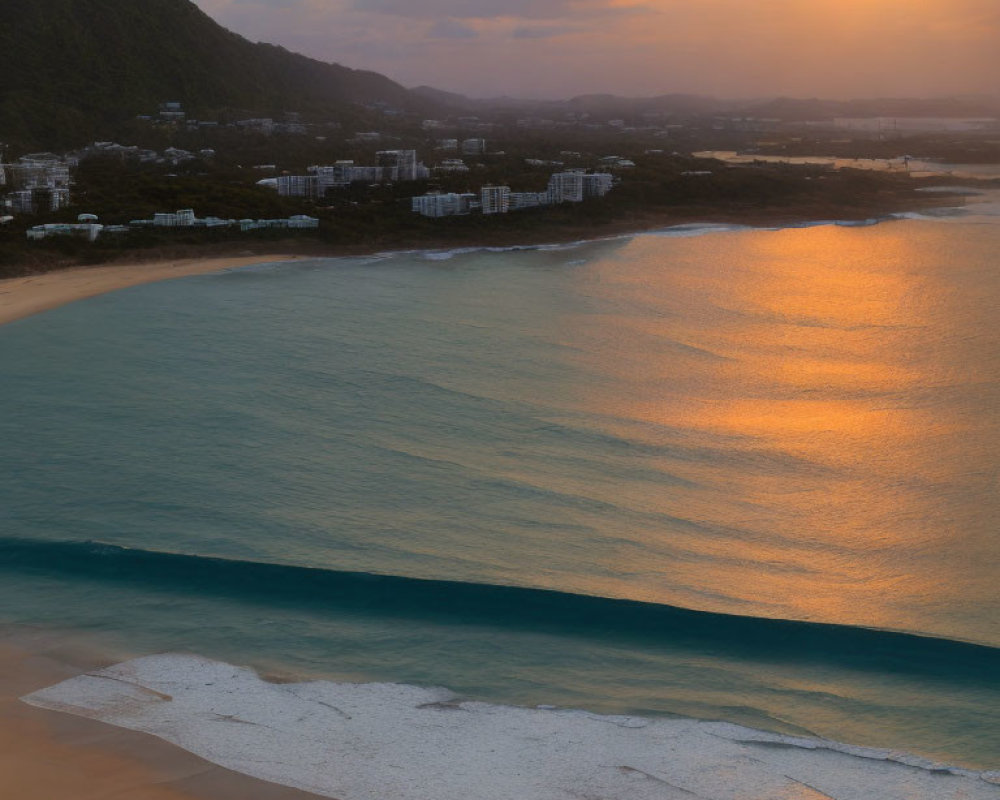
(81, 64)
(681, 103)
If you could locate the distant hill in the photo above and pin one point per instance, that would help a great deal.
(450, 100)
(784, 108)
(600, 104)
(667, 103)
(814, 109)
(68, 67)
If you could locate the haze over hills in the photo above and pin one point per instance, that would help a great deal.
(784, 108)
(69, 67)
(73, 69)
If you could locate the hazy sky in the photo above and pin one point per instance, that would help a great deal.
(727, 48)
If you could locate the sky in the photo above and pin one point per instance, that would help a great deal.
(726, 48)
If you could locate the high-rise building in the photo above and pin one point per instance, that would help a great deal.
(400, 165)
(597, 184)
(495, 199)
(297, 185)
(566, 187)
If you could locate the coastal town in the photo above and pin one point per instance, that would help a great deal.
(484, 400)
(42, 182)
(302, 176)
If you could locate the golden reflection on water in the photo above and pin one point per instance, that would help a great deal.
(832, 375)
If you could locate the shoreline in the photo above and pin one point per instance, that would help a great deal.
(54, 755)
(320, 736)
(49, 754)
(25, 295)
(32, 294)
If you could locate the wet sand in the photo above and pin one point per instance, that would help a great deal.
(45, 755)
(32, 294)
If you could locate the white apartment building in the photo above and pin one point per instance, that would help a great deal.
(519, 200)
(185, 218)
(437, 204)
(181, 219)
(566, 187)
(394, 165)
(399, 165)
(597, 184)
(495, 199)
(86, 230)
(41, 179)
(298, 221)
(297, 185)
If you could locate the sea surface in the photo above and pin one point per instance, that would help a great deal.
(715, 472)
(916, 167)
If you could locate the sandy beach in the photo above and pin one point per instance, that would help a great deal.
(25, 295)
(21, 297)
(46, 755)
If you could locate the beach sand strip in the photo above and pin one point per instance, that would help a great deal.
(46, 755)
(32, 294)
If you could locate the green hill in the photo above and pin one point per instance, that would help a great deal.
(69, 68)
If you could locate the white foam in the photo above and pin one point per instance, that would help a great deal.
(446, 255)
(363, 741)
(691, 229)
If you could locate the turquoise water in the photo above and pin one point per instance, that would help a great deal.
(745, 475)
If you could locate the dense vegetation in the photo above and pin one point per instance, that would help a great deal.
(73, 68)
(655, 193)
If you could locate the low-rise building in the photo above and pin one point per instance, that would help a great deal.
(438, 204)
(394, 165)
(564, 187)
(617, 161)
(473, 147)
(299, 222)
(86, 230)
(184, 218)
(181, 219)
(264, 125)
(519, 200)
(452, 165)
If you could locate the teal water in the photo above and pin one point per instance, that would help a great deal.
(753, 473)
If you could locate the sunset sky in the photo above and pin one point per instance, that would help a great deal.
(726, 48)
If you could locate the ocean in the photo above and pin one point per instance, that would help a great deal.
(712, 473)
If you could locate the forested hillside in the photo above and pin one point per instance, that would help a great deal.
(68, 68)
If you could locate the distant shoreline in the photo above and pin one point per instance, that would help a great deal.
(60, 285)
(33, 294)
